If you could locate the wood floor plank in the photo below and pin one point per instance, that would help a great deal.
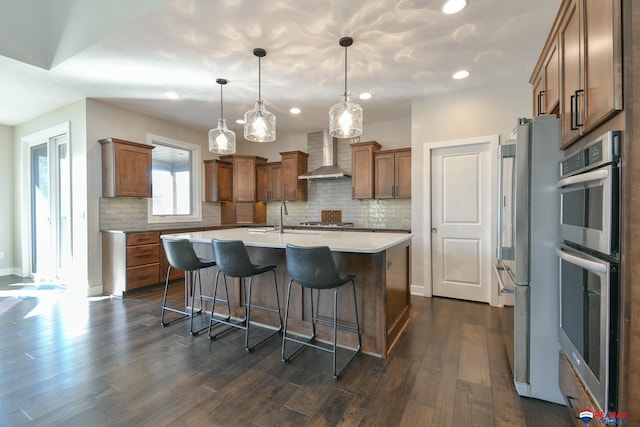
(108, 362)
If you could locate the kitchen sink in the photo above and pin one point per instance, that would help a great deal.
(271, 230)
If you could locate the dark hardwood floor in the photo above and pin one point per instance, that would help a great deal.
(70, 361)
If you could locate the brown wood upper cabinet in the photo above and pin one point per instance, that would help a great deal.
(589, 38)
(294, 164)
(393, 174)
(279, 180)
(546, 84)
(363, 169)
(243, 209)
(269, 186)
(218, 181)
(126, 168)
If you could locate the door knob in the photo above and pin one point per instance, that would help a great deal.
(434, 230)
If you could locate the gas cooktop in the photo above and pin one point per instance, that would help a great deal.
(327, 224)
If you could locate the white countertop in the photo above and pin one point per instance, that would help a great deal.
(338, 241)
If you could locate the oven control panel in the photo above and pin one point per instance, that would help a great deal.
(601, 151)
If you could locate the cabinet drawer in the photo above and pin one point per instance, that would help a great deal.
(143, 276)
(575, 394)
(141, 255)
(143, 238)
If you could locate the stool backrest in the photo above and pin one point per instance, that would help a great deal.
(181, 255)
(232, 258)
(312, 266)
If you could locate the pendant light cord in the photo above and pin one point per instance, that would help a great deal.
(345, 69)
(259, 80)
(221, 104)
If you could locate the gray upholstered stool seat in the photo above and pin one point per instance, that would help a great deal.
(233, 261)
(181, 256)
(314, 268)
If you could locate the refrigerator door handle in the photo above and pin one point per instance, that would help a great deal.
(595, 267)
(503, 252)
(503, 288)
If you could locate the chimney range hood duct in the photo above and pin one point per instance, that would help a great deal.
(329, 168)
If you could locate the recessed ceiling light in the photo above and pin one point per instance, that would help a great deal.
(172, 95)
(240, 121)
(366, 95)
(462, 74)
(294, 110)
(454, 6)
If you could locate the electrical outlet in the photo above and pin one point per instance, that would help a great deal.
(1, 255)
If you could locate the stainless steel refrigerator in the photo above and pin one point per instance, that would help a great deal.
(527, 267)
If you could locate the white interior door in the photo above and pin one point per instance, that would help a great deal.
(461, 221)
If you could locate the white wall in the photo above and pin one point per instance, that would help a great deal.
(7, 194)
(482, 111)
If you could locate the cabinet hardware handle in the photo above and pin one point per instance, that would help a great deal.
(540, 95)
(571, 126)
(578, 92)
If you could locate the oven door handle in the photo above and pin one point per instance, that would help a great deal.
(596, 175)
(593, 266)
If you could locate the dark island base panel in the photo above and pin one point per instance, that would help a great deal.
(382, 288)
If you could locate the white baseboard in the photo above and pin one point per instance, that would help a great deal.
(417, 291)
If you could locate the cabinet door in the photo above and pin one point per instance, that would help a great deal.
(602, 61)
(275, 180)
(571, 54)
(218, 178)
(362, 173)
(133, 171)
(538, 94)
(294, 164)
(403, 175)
(551, 77)
(262, 183)
(385, 175)
(244, 180)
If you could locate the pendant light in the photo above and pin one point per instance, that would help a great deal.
(345, 118)
(259, 124)
(221, 139)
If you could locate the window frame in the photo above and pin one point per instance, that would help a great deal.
(196, 196)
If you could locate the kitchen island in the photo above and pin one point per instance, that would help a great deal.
(380, 262)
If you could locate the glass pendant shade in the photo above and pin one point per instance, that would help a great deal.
(221, 139)
(259, 124)
(345, 118)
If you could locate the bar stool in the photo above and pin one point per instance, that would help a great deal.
(314, 268)
(233, 261)
(181, 256)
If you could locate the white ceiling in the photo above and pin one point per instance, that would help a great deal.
(130, 53)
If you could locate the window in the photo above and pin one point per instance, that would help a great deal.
(175, 181)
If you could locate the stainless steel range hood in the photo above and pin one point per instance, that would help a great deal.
(329, 168)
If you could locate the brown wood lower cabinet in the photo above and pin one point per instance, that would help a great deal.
(129, 261)
(575, 395)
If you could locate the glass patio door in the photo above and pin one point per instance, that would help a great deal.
(50, 200)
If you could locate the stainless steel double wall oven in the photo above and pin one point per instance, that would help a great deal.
(589, 257)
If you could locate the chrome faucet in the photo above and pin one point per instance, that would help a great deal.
(283, 206)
